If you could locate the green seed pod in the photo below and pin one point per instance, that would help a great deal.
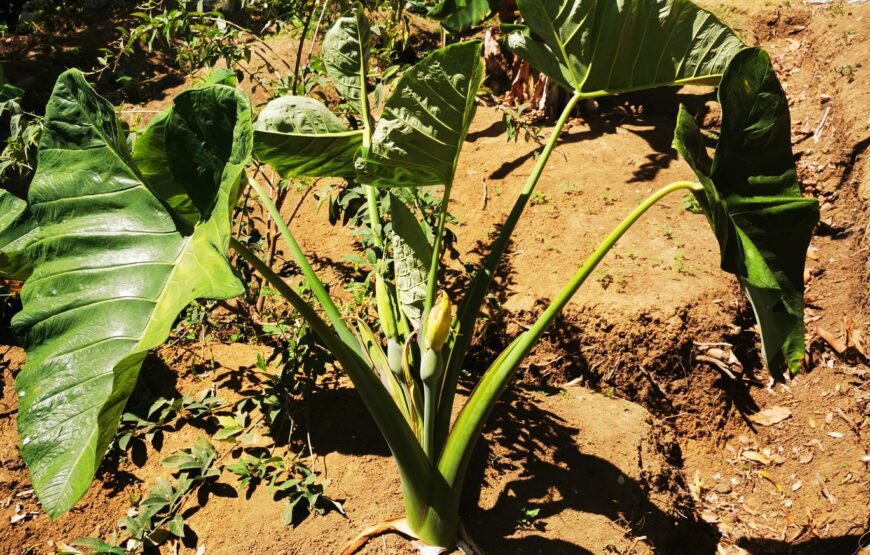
(385, 307)
(430, 366)
(438, 323)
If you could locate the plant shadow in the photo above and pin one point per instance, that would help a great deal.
(543, 447)
(650, 115)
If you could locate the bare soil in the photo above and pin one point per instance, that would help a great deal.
(648, 449)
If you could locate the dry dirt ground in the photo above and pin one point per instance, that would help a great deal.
(680, 465)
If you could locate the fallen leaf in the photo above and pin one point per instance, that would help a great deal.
(831, 499)
(755, 456)
(836, 435)
(767, 477)
(832, 340)
(806, 457)
(797, 485)
(771, 416)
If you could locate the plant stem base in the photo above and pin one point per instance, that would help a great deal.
(400, 526)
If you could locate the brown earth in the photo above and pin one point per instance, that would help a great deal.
(607, 476)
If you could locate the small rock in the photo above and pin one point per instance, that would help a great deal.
(723, 487)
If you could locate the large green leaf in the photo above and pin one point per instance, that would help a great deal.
(17, 229)
(425, 120)
(113, 266)
(753, 201)
(299, 136)
(601, 47)
(461, 15)
(346, 52)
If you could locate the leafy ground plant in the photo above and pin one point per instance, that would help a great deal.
(126, 238)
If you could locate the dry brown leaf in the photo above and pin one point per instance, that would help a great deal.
(832, 340)
(854, 336)
(767, 477)
(770, 416)
(831, 499)
(755, 456)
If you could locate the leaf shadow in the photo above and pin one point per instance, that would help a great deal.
(524, 433)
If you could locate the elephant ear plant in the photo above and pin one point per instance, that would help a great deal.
(118, 241)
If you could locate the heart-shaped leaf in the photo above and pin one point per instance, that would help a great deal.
(113, 266)
(299, 136)
(425, 121)
(599, 47)
(753, 202)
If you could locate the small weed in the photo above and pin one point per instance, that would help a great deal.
(847, 71)
(690, 204)
(605, 278)
(158, 516)
(572, 188)
(539, 199)
(517, 122)
(607, 198)
(528, 515)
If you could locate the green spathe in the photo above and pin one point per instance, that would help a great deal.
(113, 266)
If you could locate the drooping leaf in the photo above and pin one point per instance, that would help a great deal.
(411, 256)
(425, 120)
(17, 230)
(346, 52)
(112, 268)
(299, 136)
(461, 15)
(753, 202)
(606, 46)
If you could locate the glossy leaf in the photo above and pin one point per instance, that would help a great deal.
(599, 47)
(461, 15)
(425, 121)
(299, 136)
(149, 152)
(113, 267)
(346, 52)
(17, 229)
(753, 202)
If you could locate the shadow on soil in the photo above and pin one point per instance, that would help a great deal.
(582, 482)
(842, 545)
(651, 115)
